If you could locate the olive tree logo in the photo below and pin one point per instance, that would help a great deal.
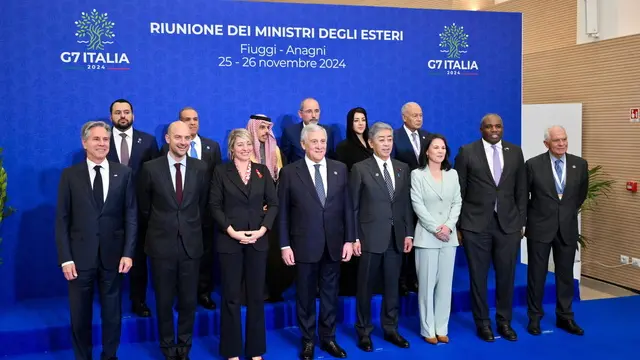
(95, 26)
(453, 40)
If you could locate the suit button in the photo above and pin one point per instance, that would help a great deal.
(440, 213)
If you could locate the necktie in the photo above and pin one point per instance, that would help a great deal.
(124, 150)
(194, 153)
(497, 168)
(558, 166)
(416, 144)
(387, 180)
(319, 185)
(98, 192)
(178, 184)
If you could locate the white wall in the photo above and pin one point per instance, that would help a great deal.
(537, 118)
(616, 18)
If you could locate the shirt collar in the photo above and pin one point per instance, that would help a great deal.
(563, 158)
(310, 162)
(382, 162)
(488, 145)
(196, 139)
(128, 132)
(104, 164)
(172, 161)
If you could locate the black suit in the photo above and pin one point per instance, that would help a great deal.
(241, 206)
(488, 234)
(143, 148)
(174, 244)
(212, 156)
(316, 233)
(552, 222)
(382, 224)
(95, 238)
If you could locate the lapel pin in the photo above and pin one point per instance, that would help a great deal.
(507, 149)
(139, 141)
(423, 137)
(115, 175)
(574, 166)
(377, 174)
(208, 148)
(335, 173)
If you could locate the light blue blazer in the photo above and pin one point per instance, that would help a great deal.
(435, 203)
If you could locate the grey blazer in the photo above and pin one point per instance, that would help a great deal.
(435, 203)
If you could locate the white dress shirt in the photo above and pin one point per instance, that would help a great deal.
(117, 140)
(104, 173)
(172, 169)
(381, 163)
(323, 172)
(198, 146)
(488, 150)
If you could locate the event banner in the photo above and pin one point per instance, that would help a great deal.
(66, 61)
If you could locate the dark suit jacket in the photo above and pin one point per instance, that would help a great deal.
(375, 212)
(479, 191)
(403, 150)
(213, 157)
(350, 152)
(546, 213)
(305, 225)
(82, 231)
(241, 206)
(290, 143)
(162, 215)
(143, 148)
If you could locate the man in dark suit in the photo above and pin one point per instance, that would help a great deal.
(133, 148)
(380, 187)
(558, 184)
(95, 238)
(208, 151)
(409, 142)
(172, 195)
(493, 185)
(290, 146)
(316, 232)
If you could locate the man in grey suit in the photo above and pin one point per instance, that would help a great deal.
(493, 185)
(384, 231)
(558, 184)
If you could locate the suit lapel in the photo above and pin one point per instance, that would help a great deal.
(305, 177)
(509, 161)
(378, 176)
(136, 145)
(190, 180)
(332, 180)
(433, 184)
(482, 156)
(399, 179)
(113, 177)
(165, 172)
(547, 176)
(84, 171)
(234, 177)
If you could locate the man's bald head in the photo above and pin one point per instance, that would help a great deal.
(179, 138)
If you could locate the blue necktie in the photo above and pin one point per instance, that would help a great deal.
(319, 185)
(558, 166)
(194, 153)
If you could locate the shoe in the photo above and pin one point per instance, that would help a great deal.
(486, 334)
(364, 343)
(431, 340)
(206, 302)
(396, 340)
(333, 349)
(307, 350)
(443, 339)
(533, 327)
(507, 332)
(570, 326)
(141, 309)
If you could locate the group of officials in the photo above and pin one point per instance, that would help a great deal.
(382, 211)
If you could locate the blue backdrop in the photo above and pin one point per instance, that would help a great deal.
(57, 74)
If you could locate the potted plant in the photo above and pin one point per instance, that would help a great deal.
(598, 185)
(4, 210)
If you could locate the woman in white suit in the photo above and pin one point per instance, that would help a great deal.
(436, 199)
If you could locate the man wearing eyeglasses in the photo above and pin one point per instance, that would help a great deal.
(290, 142)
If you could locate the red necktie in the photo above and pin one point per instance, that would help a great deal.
(178, 184)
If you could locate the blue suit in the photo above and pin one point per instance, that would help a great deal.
(435, 203)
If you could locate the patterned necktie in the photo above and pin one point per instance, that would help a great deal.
(178, 183)
(497, 168)
(124, 150)
(194, 153)
(416, 144)
(319, 185)
(98, 191)
(558, 166)
(387, 180)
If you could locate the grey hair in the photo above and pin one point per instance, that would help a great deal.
(547, 131)
(184, 109)
(86, 128)
(305, 100)
(405, 107)
(311, 128)
(488, 116)
(377, 127)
